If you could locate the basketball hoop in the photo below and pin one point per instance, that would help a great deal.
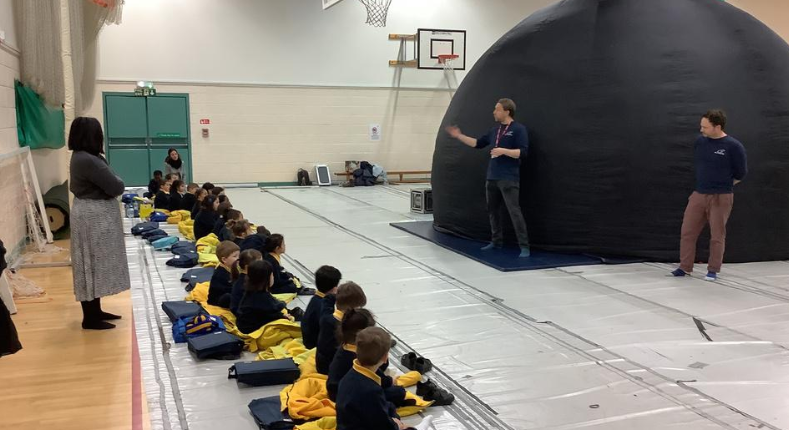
(446, 60)
(376, 11)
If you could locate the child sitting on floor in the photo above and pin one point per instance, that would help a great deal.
(258, 307)
(240, 276)
(240, 230)
(354, 321)
(190, 198)
(206, 218)
(154, 185)
(200, 195)
(222, 228)
(256, 241)
(177, 190)
(326, 280)
(361, 402)
(284, 281)
(349, 296)
(162, 200)
(221, 287)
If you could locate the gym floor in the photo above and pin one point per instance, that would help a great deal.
(614, 347)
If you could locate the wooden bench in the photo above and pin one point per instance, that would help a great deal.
(400, 174)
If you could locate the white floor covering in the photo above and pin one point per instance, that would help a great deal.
(608, 347)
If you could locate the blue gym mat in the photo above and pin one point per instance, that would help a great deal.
(505, 259)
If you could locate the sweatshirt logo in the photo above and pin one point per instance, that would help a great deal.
(721, 152)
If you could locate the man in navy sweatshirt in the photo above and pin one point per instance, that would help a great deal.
(510, 142)
(721, 163)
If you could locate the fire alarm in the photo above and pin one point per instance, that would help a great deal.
(205, 132)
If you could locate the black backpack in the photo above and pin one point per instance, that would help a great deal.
(303, 178)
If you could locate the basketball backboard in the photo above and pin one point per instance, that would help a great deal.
(329, 3)
(434, 42)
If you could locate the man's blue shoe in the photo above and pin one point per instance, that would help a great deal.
(679, 272)
(525, 252)
(711, 276)
(490, 246)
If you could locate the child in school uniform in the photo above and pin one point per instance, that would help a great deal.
(223, 226)
(208, 187)
(154, 185)
(240, 276)
(361, 402)
(354, 321)
(206, 218)
(200, 195)
(239, 230)
(326, 280)
(258, 307)
(190, 198)
(221, 287)
(283, 280)
(162, 200)
(177, 190)
(349, 296)
(256, 241)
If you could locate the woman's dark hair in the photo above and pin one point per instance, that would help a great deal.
(217, 191)
(86, 135)
(223, 199)
(176, 185)
(208, 186)
(244, 260)
(208, 203)
(239, 227)
(354, 321)
(274, 241)
(258, 276)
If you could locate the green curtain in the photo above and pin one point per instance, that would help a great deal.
(38, 125)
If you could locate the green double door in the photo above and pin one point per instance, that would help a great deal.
(139, 131)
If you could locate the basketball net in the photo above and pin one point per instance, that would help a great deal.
(376, 11)
(447, 62)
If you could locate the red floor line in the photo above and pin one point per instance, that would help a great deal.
(136, 383)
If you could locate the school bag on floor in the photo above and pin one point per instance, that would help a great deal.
(220, 346)
(143, 227)
(183, 247)
(196, 276)
(268, 414)
(184, 261)
(153, 238)
(186, 328)
(303, 177)
(153, 232)
(182, 309)
(158, 217)
(264, 372)
(164, 243)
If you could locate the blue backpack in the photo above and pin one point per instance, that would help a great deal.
(158, 217)
(186, 328)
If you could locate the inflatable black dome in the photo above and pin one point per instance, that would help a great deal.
(612, 92)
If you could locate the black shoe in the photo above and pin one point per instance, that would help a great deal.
(105, 316)
(394, 344)
(433, 393)
(408, 360)
(97, 325)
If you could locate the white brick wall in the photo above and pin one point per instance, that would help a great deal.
(264, 134)
(12, 218)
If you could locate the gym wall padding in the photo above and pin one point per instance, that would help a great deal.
(612, 92)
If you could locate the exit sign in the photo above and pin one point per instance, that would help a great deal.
(205, 121)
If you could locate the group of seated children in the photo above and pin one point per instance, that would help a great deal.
(350, 350)
(245, 279)
(354, 354)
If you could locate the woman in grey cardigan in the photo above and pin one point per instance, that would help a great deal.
(174, 164)
(98, 252)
